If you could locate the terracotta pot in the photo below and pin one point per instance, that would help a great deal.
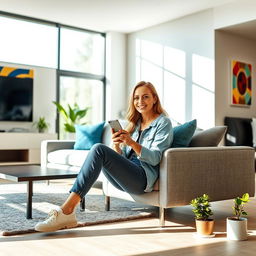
(204, 227)
(237, 229)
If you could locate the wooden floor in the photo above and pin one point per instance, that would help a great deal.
(140, 237)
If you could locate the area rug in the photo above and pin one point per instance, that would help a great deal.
(46, 197)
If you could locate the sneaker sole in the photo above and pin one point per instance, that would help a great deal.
(66, 226)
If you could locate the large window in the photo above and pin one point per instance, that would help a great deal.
(84, 92)
(28, 43)
(78, 55)
(81, 51)
(184, 81)
(81, 73)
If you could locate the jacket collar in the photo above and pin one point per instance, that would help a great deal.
(152, 124)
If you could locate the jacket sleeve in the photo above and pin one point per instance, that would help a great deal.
(161, 141)
(123, 150)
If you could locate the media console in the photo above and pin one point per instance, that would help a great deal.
(22, 148)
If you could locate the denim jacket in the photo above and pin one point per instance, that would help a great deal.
(155, 139)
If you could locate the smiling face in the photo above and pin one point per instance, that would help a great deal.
(144, 100)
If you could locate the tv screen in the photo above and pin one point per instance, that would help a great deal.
(16, 94)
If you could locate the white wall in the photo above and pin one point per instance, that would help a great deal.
(180, 64)
(44, 92)
(115, 74)
(232, 47)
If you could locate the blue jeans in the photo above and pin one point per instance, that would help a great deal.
(120, 171)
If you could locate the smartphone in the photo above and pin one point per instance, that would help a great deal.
(114, 124)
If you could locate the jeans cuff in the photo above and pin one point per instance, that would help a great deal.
(80, 193)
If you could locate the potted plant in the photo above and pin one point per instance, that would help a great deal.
(237, 225)
(202, 211)
(71, 115)
(41, 125)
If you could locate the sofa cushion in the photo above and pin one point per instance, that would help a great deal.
(182, 134)
(88, 135)
(208, 138)
(68, 157)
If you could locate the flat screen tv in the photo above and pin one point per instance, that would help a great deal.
(16, 94)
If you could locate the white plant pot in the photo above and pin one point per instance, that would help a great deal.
(237, 229)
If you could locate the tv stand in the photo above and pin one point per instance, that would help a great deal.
(18, 129)
(22, 148)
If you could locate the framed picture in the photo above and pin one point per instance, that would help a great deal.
(241, 83)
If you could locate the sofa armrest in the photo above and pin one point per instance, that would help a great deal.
(221, 172)
(48, 146)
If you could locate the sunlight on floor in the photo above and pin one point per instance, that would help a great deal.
(18, 207)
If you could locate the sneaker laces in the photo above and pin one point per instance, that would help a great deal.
(52, 215)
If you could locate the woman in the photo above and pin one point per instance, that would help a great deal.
(133, 163)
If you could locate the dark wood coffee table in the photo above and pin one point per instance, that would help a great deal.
(30, 173)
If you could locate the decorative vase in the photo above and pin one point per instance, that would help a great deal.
(237, 229)
(204, 228)
(41, 130)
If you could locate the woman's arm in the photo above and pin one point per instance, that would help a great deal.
(161, 141)
(151, 154)
(127, 140)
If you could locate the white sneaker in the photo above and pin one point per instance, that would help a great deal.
(57, 220)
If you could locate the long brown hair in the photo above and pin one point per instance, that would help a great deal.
(133, 115)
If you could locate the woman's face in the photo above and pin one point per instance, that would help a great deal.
(144, 100)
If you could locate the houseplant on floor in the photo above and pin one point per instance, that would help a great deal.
(237, 225)
(202, 211)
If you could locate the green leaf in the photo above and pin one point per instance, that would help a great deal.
(238, 201)
(72, 115)
(245, 197)
(69, 127)
(61, 110)
(82, 113)
(201, 207)
(239, 205)
(244, 213)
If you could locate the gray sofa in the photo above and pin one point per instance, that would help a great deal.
(185, 173)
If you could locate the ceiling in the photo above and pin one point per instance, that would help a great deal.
(108, 15)
(247, 29)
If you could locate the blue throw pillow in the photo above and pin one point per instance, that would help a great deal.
(88, 135)
(182, 134)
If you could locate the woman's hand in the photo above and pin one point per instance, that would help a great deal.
(116, 137)
(125, 138)
(116, 141)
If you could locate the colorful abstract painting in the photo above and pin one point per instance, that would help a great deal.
(241, 83)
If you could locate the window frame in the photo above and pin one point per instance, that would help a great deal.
(67, 73)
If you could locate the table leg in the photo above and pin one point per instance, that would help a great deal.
(82, 205)
(29, 199)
